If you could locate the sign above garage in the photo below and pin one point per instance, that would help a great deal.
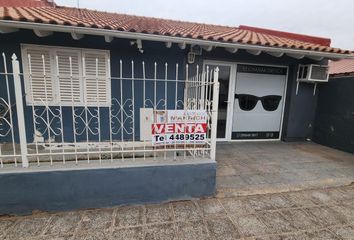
(243, 68)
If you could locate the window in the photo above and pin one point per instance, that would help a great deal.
(66, 76)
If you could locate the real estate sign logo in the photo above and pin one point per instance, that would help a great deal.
(177, 127)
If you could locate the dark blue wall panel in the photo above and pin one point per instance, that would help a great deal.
(334, 126)
(21, 193)
(120, 49)
(299, 109)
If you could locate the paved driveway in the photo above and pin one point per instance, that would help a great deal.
(269, 167)
(276, 167)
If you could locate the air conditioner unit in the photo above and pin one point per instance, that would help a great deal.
(312, 73)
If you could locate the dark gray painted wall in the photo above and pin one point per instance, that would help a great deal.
(300, 109)
(334, 125)
(21, 193)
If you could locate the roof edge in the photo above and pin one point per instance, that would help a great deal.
(163, 38)
(300, 37)
(342, 75)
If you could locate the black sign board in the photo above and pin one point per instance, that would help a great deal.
(243, 68)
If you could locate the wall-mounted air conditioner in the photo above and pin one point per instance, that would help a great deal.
(312, 73)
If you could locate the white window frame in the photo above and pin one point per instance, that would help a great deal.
(53, 72)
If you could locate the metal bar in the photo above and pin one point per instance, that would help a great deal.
(121, 104)
(314, 89)
(144, 97)
(185, 106)
(10, 109)
(208, 100)
(133, 112)
(196, 87)
(98, 111)
(176, 105)
(151, 79)
(1, 156)
(166, 99)
(47, 108)
(60, 107)
(155, 107)
(110, 118)
(196, 106)
(20, 111)
(214, 113)
(203, 96)
(121, 151)
(86, 107)
(202, 90)
(35, 140)
(73, 106)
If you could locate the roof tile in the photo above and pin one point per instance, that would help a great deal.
(26, 3)
(345, 66)
(129, 23)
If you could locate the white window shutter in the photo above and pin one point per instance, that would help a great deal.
(39, 75)
(69, 77)
(97, 74)
(85, 80)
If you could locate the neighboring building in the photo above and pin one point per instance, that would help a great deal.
(94, 83)
(334, 125)
(342, 68)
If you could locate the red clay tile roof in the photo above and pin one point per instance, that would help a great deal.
(129, 23)
(300, 37)
(345, 66)
(26, 3)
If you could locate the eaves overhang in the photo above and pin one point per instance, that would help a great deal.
(106, 33)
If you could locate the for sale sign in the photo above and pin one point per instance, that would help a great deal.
(173, 127)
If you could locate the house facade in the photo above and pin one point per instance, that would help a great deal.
(129, 108)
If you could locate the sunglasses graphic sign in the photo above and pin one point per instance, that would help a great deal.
(259, 101)
(248, 102)
(179, 127)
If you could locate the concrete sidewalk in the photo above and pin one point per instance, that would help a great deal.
(246, 168)
(273, 171)
(312, 214)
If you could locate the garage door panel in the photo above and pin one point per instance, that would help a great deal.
(257, 87)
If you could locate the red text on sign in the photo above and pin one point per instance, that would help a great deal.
(161, 128)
